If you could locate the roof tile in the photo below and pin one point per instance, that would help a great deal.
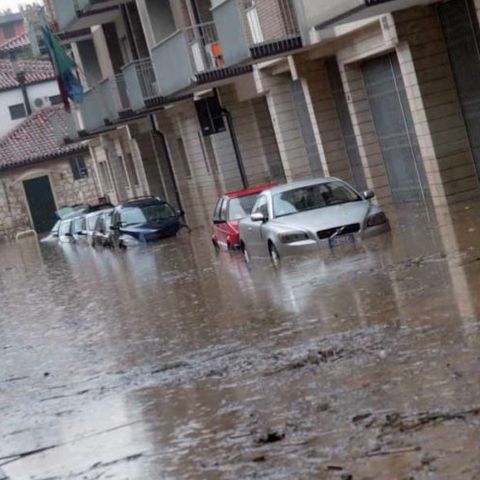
(19, 42)
(35, 71)
(34, 140)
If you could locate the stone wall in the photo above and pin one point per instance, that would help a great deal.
(14, 211)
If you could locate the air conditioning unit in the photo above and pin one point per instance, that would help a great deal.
(39, 103)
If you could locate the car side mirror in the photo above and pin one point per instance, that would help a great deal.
(180, 213)
(368, 194)
(258, 217)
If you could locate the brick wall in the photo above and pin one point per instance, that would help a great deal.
(436, 111)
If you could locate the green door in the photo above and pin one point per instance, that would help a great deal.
(41, 203)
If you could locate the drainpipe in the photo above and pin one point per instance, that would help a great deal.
(171, 172)
(236, 147)
(21, 80)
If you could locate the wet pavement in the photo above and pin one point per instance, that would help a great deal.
(171, 362)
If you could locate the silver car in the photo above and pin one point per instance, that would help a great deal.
(304, 216)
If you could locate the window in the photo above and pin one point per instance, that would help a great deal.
(56, 100)
(261, 206)
(218, 209)
(100, 225)
(223, 211)
(79, 167)
(9, 30)
(183, 157)
(65, 228)
(146, 214)
(17, 111)
(79, 225)
(91, 221)
(241, 207)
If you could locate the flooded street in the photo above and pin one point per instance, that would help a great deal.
(172, 361)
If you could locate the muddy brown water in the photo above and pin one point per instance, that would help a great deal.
(172, 362)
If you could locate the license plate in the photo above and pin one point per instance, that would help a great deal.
(341, 240)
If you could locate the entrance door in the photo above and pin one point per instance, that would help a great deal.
(461, 32)
(41, 203)
(395, 129)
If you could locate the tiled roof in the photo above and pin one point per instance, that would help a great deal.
(34, 140)
(19, 42)
(35, 71)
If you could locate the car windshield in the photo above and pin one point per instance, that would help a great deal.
(312, 197)
(241, 207)
(146, 214)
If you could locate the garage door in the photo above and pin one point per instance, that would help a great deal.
(395, 130)
(460, 29)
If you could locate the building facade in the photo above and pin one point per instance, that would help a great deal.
(197, 97)
(38, 175)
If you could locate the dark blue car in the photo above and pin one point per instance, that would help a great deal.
(145, 220)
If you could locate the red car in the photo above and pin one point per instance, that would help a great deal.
(230, 209)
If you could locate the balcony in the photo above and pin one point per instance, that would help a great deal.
(105, 104)
(258, 30)
(68, 11)
(194, 56)
(322, 15)
(72, 15)
(141, 84)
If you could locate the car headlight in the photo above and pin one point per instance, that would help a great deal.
(293, 237)
(377, 219)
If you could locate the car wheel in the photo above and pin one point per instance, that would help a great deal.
(274, 255)
(246, 255)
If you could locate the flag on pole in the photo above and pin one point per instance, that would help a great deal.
(68, 82)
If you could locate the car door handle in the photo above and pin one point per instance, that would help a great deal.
(250, 229)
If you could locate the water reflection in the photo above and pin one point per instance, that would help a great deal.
(171, 361)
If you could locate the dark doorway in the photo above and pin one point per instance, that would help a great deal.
(41, 203)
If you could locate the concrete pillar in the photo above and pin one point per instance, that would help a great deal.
(435, 107)
(364, 128)
(255, 136)
(291, 145)
(324, 118)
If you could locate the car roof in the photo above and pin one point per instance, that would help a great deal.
(302, 183)
(247, 191)
(141, 202)
(94, 214)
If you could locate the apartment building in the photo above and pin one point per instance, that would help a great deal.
(189, 98)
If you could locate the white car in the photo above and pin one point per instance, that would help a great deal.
(304, 216)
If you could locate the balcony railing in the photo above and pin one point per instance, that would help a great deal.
(93, 110)
(141, 84)
(256, 30)
(170, 59)
(204, 47)
(106, 103)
